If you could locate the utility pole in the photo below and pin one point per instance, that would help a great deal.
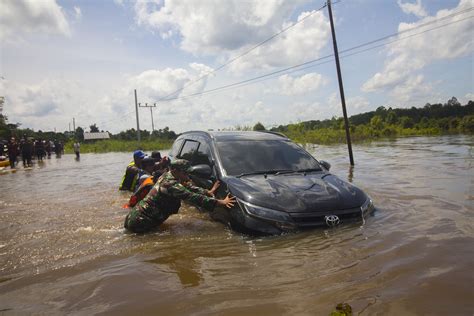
(74, 124)
(151, 112)
(341, 87)
(136, 110)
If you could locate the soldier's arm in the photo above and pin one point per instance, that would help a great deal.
(180, 191)
(196, 189)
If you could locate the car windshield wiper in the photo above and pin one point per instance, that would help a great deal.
(285, 171)
(309, 170)
(276, 172)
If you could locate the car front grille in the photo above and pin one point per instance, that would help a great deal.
(319, 218)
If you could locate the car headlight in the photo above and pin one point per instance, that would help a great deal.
(265, 213)
(367, 207)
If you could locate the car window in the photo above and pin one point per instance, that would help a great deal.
(196, 152)
(203, 155)
(190, 147)
(176, 147)
(248, 156)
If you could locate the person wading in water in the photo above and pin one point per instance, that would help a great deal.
(164, 199)
(130, 178)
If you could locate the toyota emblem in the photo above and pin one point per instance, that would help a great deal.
(332, 220)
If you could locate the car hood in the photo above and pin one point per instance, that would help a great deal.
(297, 193)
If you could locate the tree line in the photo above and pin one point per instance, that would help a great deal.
(8, 130)
(432, 119)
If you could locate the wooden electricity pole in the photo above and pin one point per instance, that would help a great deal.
(151, 112)
(136, 110)
(341, 87)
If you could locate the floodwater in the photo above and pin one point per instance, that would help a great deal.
(63, 249)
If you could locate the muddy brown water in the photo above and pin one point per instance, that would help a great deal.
(63, 249)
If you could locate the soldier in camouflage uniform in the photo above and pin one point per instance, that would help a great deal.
(164, 199)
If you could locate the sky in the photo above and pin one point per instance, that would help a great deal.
(219, 64)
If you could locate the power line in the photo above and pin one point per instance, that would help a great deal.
(300, 67)
(230, 61)
(241, 55)
(297, 67)
(411, 29)
(119, 119)
(406, 37)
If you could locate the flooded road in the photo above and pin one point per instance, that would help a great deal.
(63, 249)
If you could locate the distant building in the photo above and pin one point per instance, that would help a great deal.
(94, 136)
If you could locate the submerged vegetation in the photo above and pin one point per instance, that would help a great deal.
(432, 119)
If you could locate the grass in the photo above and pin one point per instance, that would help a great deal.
(115, 145)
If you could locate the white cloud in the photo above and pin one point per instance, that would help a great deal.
(216, 27)
(358, 103)
(53, 102)
(304, 111)
(413, 90)
(355, 104)
(29, 16)
(49, 104)
(333, 102)
(289, 85)
(78, 13)
(152, 86)
(413, 8)
(158, 84)
(213, 24)
(466, 98)
(119, 2)
(412, 54)
(301, 43)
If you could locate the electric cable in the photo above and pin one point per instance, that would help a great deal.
(286, 70)
(241, 55)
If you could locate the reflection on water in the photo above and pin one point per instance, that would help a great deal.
(63, 249)
(350, 174)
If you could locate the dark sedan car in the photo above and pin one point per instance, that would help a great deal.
(279, 186)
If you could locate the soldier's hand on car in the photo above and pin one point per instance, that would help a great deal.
(212, 191)
(228, 201)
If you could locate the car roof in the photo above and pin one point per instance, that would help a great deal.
(240, 135)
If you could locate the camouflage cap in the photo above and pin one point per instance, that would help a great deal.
(181, 165)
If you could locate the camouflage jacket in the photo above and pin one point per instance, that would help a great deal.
(164, 199)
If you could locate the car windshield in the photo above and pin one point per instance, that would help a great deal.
(264, 156)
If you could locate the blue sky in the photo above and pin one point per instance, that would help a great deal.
(82, 59)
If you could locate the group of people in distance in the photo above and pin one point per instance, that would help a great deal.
(159, 185)
(28, 148)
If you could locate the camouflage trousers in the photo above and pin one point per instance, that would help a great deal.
(137, 222)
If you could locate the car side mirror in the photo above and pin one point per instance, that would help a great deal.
(326, 165)
(201, 171)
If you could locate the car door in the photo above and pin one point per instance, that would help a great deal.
(197, 152)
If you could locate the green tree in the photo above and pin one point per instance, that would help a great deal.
(453, 102)
(391, 117)
(94, 128)
(376, 122)
(467, 124)
(406, 122)
(258, 127)
(381, 111)
(454, 123)
(79, 134)
(424, 122)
